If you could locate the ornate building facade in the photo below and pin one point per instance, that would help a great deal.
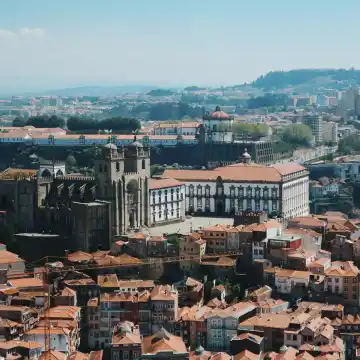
(281, 190)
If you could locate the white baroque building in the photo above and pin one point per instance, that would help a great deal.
(281, 190)
(218, 126)
(167, 201)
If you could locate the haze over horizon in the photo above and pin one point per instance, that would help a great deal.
(49, 45)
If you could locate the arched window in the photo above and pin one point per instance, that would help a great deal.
(117, 166)
(143, 164)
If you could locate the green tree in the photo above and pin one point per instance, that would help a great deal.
(297, 134)
(250, 130)
(19, 122)
(349, 144)
(44, 121)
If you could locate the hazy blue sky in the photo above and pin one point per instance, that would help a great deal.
(58, 43)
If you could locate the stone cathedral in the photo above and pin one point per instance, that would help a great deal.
(122, 178)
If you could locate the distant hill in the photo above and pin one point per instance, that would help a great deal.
(91, 91)
(334, 78)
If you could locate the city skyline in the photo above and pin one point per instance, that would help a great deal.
(65, 44)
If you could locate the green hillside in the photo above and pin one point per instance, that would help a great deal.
(336, 78)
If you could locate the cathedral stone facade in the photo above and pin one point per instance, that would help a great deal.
(87, 211)
(122, 178)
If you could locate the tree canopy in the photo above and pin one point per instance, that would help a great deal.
(116, 124)
(268, 100)
(160, 92)
(297, 134)
(282, 79)
(250, 130)
(41, 121)
(349, 144)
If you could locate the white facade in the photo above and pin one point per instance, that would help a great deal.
(167, 203)
(295, 198)
(58, 341)
(183, 128)
(284, 283)
(49, 170)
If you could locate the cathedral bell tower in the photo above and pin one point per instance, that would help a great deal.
(122, 178)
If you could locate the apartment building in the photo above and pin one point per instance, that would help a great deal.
(164, 307)
(126, 342)
(191, 246)
(163, 345)
(286, 280)
(222, 324)
(315, 122)
(191, 325)
(343, 278)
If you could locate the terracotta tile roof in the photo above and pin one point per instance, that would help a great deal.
(25, 344)
(110, 280)
(342, 268)
(154, 238)
(125, 333)
(26, 283)
(269, 303)
(13, 173)
(52, 355)
(76, 282)
(304, 221)
(217, 228)
(296, 274)
(222, 261)
(68, 292)
(164, 183)
(246, 355)
(234, 311)
(351, 320)
(94, 302)
(277, 321)
(216, 303)
(297, 231)
(139, 235)
(304, 356)
(248, 336)
(253, 173)
(79, 256)
(77, 355)
(269, 224)
(336, 227)
(163, 341)
(163, 292)
(145, 284)
(54, 331)
(143, 296)
(194, 313)
(63, 312)
(123, 259)
(220, 356)
(96, 355)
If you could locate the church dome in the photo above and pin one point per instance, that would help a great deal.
(110, 146)
(218, 114)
